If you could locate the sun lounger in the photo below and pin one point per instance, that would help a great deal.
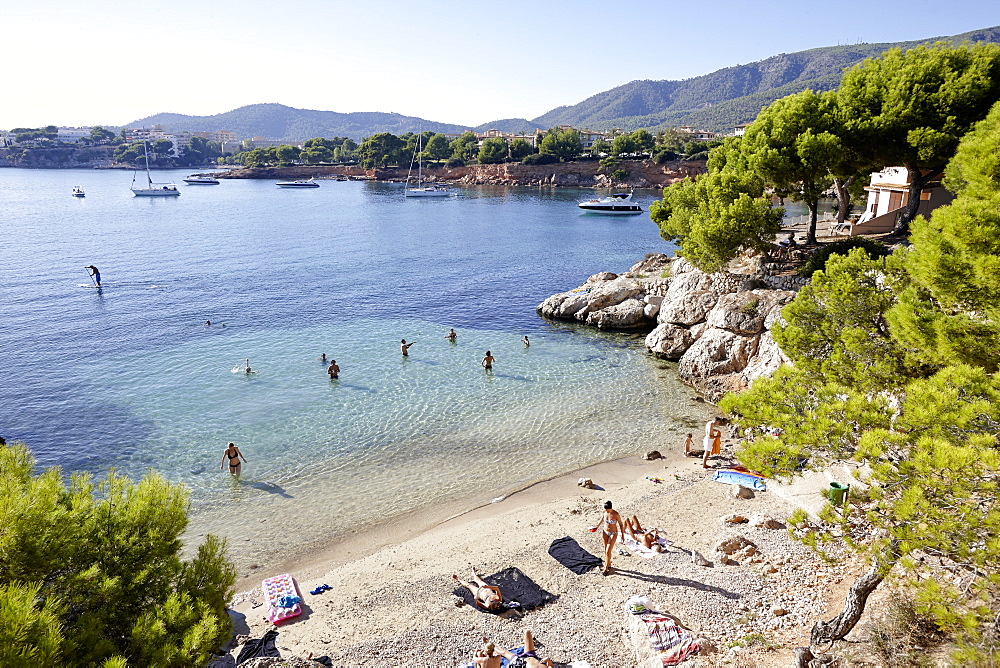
(282, 596)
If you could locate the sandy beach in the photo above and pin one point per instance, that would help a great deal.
(391, 600)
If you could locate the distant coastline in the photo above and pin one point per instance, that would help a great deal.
(579, 174)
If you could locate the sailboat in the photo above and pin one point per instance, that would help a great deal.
(422, 190)
(153, 189)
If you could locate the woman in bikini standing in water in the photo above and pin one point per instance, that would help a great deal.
(233, 454)
(612, 522)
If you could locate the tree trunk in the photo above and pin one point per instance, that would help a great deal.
(843, 198)
(811, 234)
(917, 182)
(857, 597)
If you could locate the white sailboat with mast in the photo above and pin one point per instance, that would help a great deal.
(153, 189)
(422, 190)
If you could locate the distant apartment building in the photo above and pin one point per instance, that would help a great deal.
(6, 139)
(179, 141)
(695, 134)
(72, 135)
(264, 142)
(740, 129)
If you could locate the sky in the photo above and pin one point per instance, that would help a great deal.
(468, 62)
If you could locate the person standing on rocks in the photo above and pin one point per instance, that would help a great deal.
(713, 440)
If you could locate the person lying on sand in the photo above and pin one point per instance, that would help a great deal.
(485, 596)
(526, 659)
(642, 536)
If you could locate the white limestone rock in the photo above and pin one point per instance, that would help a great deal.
(627, 314)
(688, 308)
(669, 341)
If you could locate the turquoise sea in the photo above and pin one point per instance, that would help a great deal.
(129, 376)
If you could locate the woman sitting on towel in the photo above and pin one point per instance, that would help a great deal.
(485, 596)
(640, 535)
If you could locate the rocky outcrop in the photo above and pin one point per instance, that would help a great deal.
(716, 326)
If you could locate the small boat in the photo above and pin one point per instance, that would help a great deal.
(195, 180)
(431, 190)
(618, 204)
(153, 189)
(311, 183)
(78, 192)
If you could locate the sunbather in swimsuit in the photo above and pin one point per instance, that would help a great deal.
(485, 596)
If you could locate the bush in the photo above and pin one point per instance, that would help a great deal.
(818, 261)
(539, 159)
(92, 573)
(619, 175)
(666, 155)
(455, 162)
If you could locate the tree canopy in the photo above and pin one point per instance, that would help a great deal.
(92, 574)
(911, 108)
(894, 366)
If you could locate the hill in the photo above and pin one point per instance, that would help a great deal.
(726, 97)
(276, 121)
(715, 101)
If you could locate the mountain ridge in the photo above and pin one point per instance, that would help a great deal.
(715, 101)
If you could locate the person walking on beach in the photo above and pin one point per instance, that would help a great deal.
(404, 347)
(333, 370)
(94, 273)
(233, 454)
(713, 440)
(451, 335)
(612, 526)
(488, 361)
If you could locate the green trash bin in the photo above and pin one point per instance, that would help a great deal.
(838, 493)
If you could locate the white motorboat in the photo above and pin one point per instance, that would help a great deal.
(153, 189)
(78, 192)
(311, 183)
(618, 204)
(421, 190)
(195, 180)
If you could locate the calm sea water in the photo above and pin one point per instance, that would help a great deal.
(128, 376)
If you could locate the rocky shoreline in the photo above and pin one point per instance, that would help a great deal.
(581, 174)
(717, 327)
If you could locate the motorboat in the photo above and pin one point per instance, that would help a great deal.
(78, 192)
(430, 190)
(195, 180)
(153, 189)
(617, 204)
(311, 183)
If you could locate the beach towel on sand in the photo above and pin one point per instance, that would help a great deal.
(569, 553)
(738, 478)
(640, 549)
(515, 587)
(671, 643)
(256, 647)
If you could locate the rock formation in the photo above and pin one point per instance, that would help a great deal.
(717, 327)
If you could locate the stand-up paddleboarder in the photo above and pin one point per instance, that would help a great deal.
(94, 274)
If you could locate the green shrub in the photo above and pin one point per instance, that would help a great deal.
(455, 162)
(818, 260)
(92, 573)
(619, 175)
(665, 155)
(539, 159)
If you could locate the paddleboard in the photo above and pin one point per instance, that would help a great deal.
(737, 478)
(89, 285)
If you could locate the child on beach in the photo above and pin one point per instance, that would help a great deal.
(688, 442)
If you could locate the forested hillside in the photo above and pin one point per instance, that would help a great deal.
(729, 96)
(276, 121)
(715, 101)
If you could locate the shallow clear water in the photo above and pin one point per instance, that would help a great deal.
(129, 376)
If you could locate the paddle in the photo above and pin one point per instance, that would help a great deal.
(91, 277)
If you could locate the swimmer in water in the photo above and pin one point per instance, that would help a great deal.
(333, 370)
(488, 361)
(404, 346)
(208, 323)
(451, 335)
(322, 357)
(525, 341)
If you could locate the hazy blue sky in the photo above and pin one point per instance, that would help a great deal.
(86, 62)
